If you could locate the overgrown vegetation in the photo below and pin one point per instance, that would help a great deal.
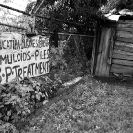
(118, 5)
(20, 99)
(19, 20)
(92, 106)
(79, 14)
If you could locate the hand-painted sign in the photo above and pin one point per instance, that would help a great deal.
(22, 57)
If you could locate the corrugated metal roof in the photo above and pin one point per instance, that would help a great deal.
(124, 14)
(113, 17)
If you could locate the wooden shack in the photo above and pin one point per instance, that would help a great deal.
(113, 48)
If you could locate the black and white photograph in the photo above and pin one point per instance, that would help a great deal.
(66, 66)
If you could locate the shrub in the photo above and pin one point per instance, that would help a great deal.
(19, 99)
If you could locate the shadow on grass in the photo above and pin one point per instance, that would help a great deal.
(128, 82)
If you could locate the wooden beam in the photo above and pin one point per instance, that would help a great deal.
(126, 40)
(125, 34)
(123, 48)
(123, 62)
(125, 70)
(125, 22)
(130, 45)
(122, 52)
(12, 26)
(109, 24)
(111, 47)
(125, 25)
(68, 33)
(96, 41)
(124, 29)
(11, 8)
(122, 55)
(76, 34)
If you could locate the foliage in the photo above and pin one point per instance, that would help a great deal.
(119, 5)
(56, 57)
(7, 127)
(92, 107)
(19, 99)
(70, 55)
(22, 21)
(30, 6)
(83, 14)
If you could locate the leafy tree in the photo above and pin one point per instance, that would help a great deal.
(82, 13)
(30, 6)
(21, 20)
(119, 5)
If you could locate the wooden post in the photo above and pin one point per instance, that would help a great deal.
(112, 42)
(95, 50)
(103, 66)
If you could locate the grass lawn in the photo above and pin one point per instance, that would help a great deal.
(93, 106)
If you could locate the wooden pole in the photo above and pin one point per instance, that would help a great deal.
(68, 33)
(12, 26)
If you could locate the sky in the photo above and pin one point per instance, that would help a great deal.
(18, 4)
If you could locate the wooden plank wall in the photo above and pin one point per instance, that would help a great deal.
(122, 58)
(103, 63)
